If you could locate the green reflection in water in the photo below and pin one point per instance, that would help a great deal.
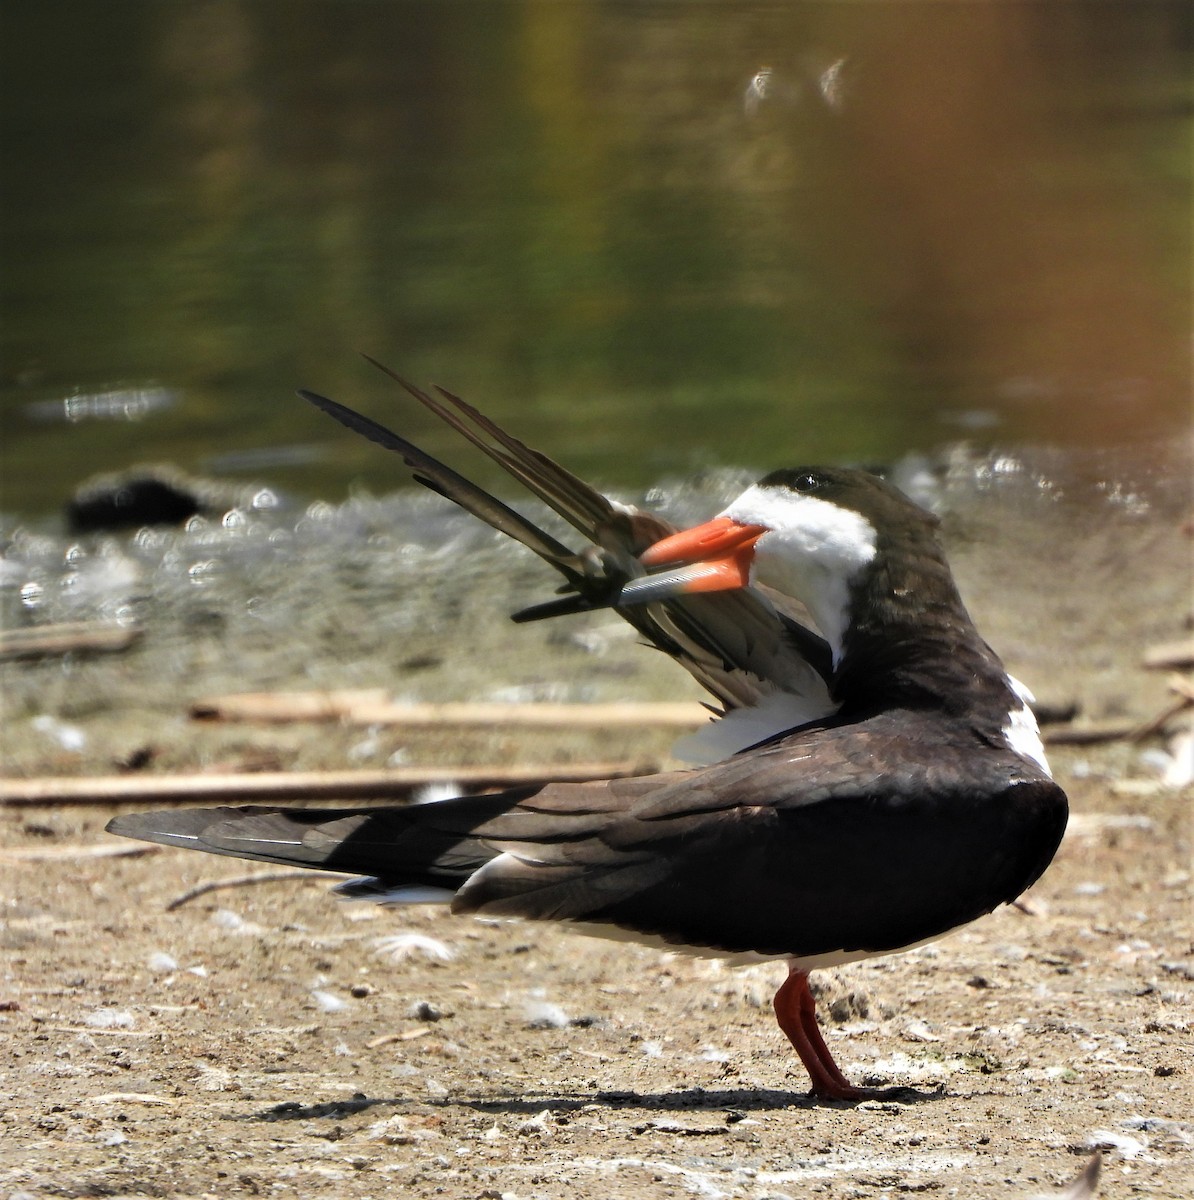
(931, 218)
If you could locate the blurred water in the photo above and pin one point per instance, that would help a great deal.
(408, 564)
(652, 238)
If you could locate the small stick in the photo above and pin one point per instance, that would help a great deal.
(40, 641)
(387, 1039)
(87, 1029)
(394, 784)
(215, 885)
(1087, 735)
(97, 850)
(663, 715)
(1157, 723)
(1170, 656)
(372, 707)
(286, 706)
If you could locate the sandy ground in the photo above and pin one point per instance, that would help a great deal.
(259, 1040)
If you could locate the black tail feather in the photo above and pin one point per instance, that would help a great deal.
(425, 844)
(441, 478)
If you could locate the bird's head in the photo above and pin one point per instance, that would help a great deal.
(806, 532)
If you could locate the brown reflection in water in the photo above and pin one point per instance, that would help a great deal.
(979, 202)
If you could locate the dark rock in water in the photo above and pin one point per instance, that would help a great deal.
(152, 495)
(132, 503)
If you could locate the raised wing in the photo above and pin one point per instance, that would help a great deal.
(755, 659)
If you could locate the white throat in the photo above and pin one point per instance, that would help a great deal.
(813, 550)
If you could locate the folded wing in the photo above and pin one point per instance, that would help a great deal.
(798, 849)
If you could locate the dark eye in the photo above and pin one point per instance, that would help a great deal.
(806, 482)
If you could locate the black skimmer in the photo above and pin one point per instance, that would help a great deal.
(873, 785)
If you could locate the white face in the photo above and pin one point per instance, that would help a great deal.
(812, 551)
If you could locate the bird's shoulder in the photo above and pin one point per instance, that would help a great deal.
(882, 759)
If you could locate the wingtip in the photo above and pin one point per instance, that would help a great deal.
(167, 827)
(564, 606)
(389, 371)
(126, 825)
(314, 398)
(143, 827)
(413, 388)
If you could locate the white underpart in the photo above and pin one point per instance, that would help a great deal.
(813, 550)
(402, 894)
(776, 713)
(436, 793)
(1021, 731)
(745, 958)
(401, 945)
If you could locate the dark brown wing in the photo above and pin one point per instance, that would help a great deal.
(841, 840)
(738, 645)
(440, 844)
(864, 837)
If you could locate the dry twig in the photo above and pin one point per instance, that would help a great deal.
(96, 850)
(1170, 656)
(291, 787)
(41, 641)
(215, 885)
(372, 707)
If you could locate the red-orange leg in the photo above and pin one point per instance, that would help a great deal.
(796, 1012)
